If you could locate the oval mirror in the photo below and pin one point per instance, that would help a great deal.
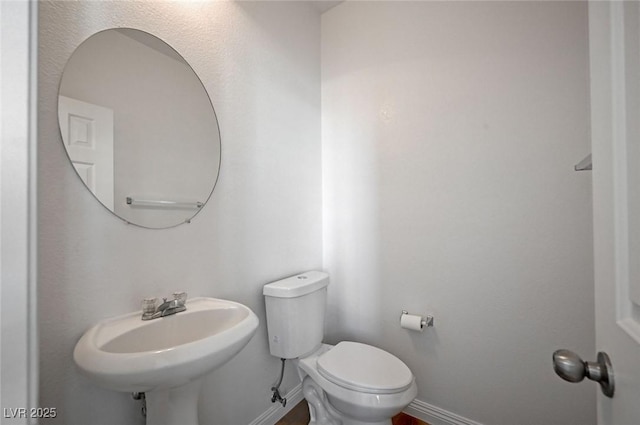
(139, 128)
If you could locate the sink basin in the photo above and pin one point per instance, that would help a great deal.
(125, 353)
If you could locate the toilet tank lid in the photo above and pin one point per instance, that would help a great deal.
(297, 286)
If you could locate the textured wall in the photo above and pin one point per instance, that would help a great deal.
(450, 130)
(260, 64)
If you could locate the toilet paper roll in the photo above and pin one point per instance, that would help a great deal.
(412, 322)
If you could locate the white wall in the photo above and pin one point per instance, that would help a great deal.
(260, 64)
(449, 134)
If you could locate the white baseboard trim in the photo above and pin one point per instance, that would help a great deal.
(276, 412)
(436, 416)
(429, 413)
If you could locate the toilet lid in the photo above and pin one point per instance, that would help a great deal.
(364, 368)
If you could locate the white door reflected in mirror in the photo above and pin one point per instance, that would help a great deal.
(87, 131)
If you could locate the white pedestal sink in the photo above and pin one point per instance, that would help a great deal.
(166, 357)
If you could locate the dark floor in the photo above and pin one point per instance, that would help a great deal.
(299, 415)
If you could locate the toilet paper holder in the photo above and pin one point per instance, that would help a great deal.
(425, 322)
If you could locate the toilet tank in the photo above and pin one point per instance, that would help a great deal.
(295, 314)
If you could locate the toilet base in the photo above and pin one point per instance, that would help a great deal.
(321, 412)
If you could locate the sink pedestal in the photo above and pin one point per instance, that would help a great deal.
(173, 406)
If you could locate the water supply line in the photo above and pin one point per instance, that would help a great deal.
(276, 392)
(142, 397)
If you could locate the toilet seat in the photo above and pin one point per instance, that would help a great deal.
(364, 368)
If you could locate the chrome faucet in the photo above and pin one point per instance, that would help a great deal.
(151, 309)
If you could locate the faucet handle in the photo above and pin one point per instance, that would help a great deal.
(149, 305)
(181, 297)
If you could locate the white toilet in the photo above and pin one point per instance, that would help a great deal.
(346, 384)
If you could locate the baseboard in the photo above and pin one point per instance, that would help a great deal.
(429, 413)
(436, 416)
(276, 412)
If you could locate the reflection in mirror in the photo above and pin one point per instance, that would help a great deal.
(139, 128)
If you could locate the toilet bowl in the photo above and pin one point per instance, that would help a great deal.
(347, 384)
(355, 384)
